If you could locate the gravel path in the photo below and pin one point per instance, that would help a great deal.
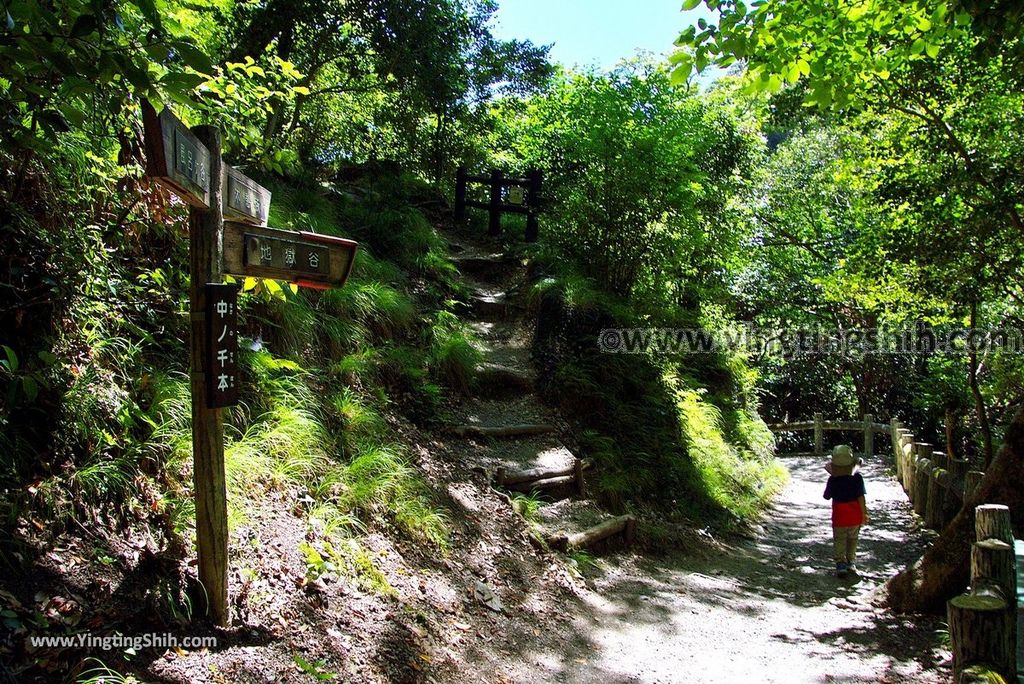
(765, 609)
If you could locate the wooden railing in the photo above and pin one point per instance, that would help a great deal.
(523, 196)
(984, 622)
(868, 426)
(987, 621)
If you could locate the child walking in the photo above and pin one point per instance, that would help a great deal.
(845, 488)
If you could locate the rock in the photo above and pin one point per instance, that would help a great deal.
(485, 595)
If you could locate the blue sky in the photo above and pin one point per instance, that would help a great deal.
(595, 32)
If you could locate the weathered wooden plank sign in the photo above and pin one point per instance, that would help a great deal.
(245, 200)
(222, 379)
(175, 157)
(302, 258)
(516, 195)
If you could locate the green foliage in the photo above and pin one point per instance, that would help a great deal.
(453, 356)
(843, 52)
(635, 173)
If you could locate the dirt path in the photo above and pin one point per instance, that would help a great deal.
(765, 610)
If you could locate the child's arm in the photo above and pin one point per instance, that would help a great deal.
(864, 510)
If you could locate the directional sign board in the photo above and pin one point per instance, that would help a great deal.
(305, 259)
(175, 157)
(245, 200)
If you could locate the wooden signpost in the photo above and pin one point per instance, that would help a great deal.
(188, 162)
(176, 157)
(305, 259)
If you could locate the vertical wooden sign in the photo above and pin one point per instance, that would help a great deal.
(222, 379)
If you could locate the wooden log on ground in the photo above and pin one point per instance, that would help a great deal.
(589, 537)
(972, 480)
(505, 431)
(541, 473)
(979, 631)
(922, 473)
(936, 498)
(542, 485)
(992, 521)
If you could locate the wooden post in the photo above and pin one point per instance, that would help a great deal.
(922, 475)
(906, 456)
(972, 480)
(909, 469)
(206, 231)
(534, 189)
(983, 621)
(894, 436)
(936, 497)
(979, 632)
(581, 487)
(460, 194)
(993, 561)
(992, 521)
(819, 436)
(922, 451)
(494, 218)
(869, 436)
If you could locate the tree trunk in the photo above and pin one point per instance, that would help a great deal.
(950, 433)
(979, 400)
(944, 570)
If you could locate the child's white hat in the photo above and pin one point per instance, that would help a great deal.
(842, 456)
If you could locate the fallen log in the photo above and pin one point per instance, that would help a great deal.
(624, 524)
(542, 485)
(504, 478)
(505, 431)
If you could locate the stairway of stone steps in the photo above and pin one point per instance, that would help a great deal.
(508, 433)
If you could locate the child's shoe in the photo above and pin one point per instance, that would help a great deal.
(852, 569)
(842, 569)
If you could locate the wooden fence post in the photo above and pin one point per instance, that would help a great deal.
(535, 177)
(460, 193)
(894, 436)
(922, 473)
(206, 234)
(972, 480)
(982, 622)
(937, 483)
(819, 435)
(494, 218)
(869, 436)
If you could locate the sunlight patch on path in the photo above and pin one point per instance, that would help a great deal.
(768, 609)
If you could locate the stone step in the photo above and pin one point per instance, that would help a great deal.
(490, 306)
(499, 380)
(488, 267)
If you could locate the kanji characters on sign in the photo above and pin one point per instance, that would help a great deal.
(222, 341)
